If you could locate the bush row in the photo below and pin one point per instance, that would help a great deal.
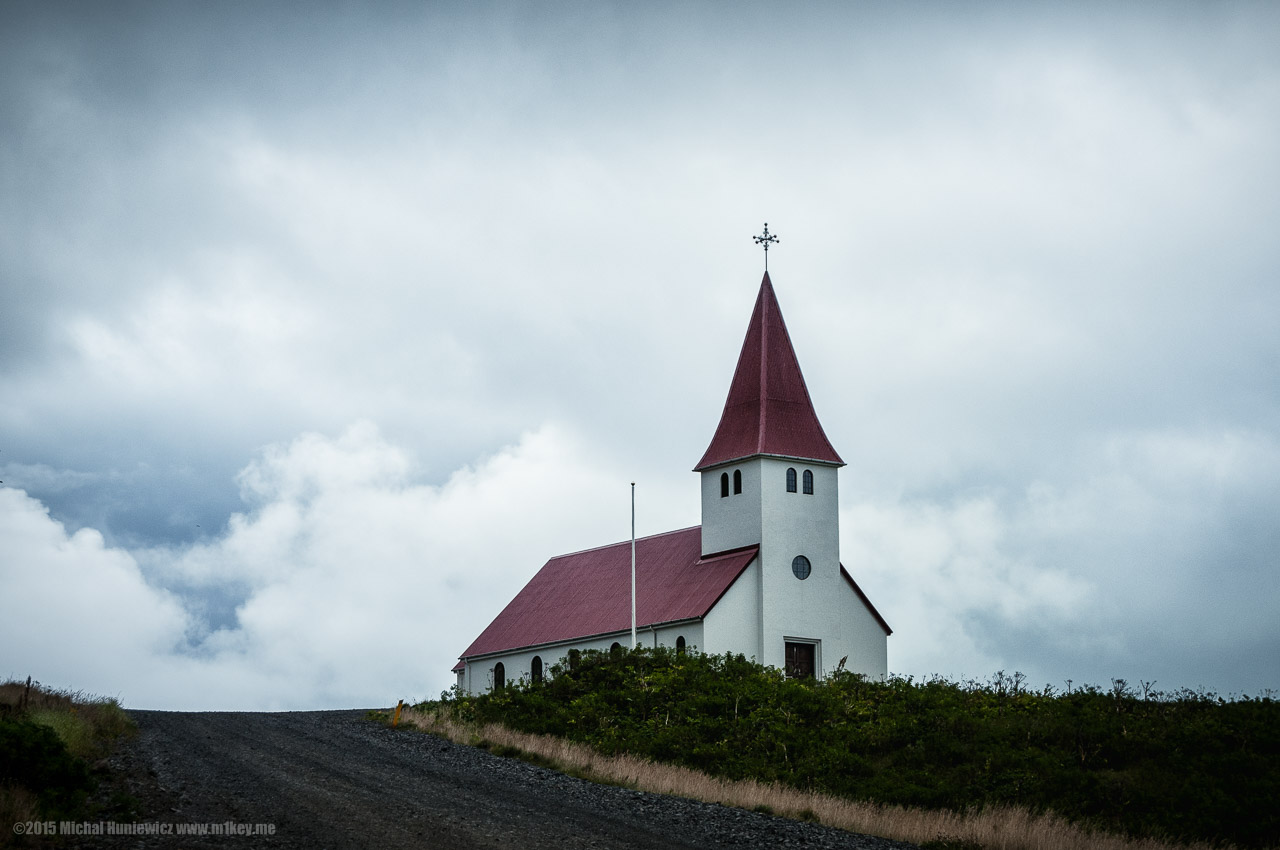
(1186, 765)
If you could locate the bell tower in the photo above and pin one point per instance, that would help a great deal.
(769, 479)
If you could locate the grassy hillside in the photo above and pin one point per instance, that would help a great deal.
(1186, 765)
(49, 741)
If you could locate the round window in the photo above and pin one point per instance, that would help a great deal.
(800, 566)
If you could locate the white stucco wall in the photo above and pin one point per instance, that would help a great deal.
(868, 646)
(477, 676)
(798, 524)
(733, 625)
(822, 609)
(731, 521)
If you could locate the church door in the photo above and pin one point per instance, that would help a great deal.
(799, 660)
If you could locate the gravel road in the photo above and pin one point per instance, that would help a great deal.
(332, 779)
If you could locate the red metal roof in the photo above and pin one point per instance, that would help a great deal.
(589, 593)
(768, 410)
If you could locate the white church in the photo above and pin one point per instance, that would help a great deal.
(761, 576)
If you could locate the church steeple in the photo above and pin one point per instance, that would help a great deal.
(768, 411)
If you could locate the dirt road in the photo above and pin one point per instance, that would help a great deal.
(334, 779)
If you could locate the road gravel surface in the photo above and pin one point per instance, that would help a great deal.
(335, 779)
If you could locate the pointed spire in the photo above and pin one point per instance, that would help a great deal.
(768, 411)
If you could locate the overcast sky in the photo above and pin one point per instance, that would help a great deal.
(322, 330)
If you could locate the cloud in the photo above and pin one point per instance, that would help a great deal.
(1028, 264)
(41, 476)
(939, 572)
(347, 582)
(74, 612)
(1126, 570)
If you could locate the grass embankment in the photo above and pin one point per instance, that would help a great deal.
(49, 742)
(989, 763)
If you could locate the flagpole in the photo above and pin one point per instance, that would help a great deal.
(633, 565)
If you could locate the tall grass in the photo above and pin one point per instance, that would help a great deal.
(86, 725)
(995, 827)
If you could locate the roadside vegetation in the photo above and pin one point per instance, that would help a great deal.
(50, 743)
(950, 764)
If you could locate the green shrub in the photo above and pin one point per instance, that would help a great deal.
(72, 729)
(48, 737)
(33, 757)
(1185, 765)
(87, 729)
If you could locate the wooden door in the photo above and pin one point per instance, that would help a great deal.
(800, 660)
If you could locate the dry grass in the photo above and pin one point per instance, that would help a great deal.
(994, 828)
(31, 696)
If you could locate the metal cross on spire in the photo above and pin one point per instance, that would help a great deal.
(766, 240)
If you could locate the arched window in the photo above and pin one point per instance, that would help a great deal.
(499, 676)
(724, 484)
(791, 480)
(680, 645)
(535, 670)
(737, 481)
(616, 650)
(808, 483)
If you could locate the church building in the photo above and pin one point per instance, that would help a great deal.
(761, 576)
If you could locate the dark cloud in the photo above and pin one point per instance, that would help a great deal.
(1027, 261)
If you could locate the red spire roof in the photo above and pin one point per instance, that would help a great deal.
(768, 411)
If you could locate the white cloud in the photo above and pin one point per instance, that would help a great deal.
(935, 569)
(358, 585)
(75, 613)
(1122, 570)
(1007, 239)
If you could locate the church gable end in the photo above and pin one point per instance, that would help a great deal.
(761, 576)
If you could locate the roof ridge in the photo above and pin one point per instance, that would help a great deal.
(724, 553)
(623, 542)
(762, 430)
